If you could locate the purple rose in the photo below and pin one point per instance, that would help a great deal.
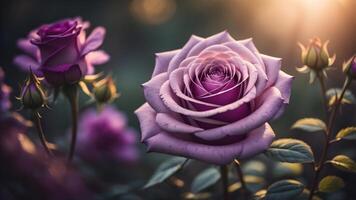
(105, 135)
(4, 93)
(61, 51)
(212, 99)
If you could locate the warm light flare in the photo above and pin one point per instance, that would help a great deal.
(153, 11)
(26, 144)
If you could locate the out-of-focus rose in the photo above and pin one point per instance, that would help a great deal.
(61, 51)
(4, 93)
(105, 136)
(212, 99)
(349, 67)
(36, 175)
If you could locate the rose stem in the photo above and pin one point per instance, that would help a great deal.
(37, 122)
(241, 178)
(323, 91)
(71, 92)
(328, 131)
(224, 178)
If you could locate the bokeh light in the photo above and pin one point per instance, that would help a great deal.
(153, 11)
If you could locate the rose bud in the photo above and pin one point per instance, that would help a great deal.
(32, 94)
(349, 67)
(61, 52)
(105, 90)
(315, 56)
(212, 100)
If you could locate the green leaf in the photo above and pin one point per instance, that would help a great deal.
(254, 167)
(253, 183)
(282, 169)
(331, 184)
(310, 125)
(348, 133)
(348, 98)
(344, 163)
(290, 150)
(166, 170)
(284, 189)
(205, 179)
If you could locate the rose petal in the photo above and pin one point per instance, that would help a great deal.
(170, 124)
(273, 65)
(26, 62)
(58, 50)
(267, 106)
(26, 46)
(257, 141)
(94, 40)
(252, 59)
(151, 90)
(182, 54)
(97, 57)
(251, 46)
(284, 85)
(90, 69)
(63, 74)
(73, 74)
(219, 38)
(167, 95)
(244, 52)
(147, 117)
(162, 61)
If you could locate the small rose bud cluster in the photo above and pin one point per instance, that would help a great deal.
(32, 94)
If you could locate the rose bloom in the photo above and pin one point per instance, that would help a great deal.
(212, 99)
(4, 93)
(61, 52)
(105, 135)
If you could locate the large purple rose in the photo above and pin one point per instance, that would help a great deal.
(61, 51)
(212, 99)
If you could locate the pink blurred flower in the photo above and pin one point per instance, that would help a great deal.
(105, 135)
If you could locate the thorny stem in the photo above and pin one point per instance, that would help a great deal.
(328, 132)
(244, 190)
(224, 177)
(71, 92)
(37, 122)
